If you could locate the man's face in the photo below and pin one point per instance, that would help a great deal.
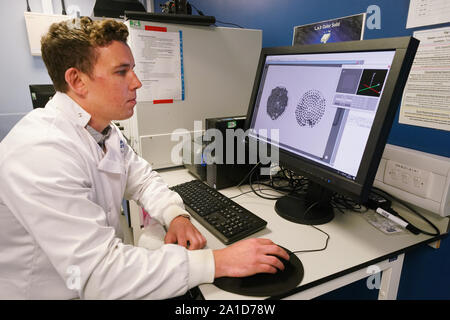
(111, 89)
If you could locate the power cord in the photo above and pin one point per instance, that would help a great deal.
(230, 24)
(242, 193)
(199, 11)
(63, 7)
(328, 236)
(271, 185)
(222, 22)
(294, 185)
(260, 195)
(298, 185)
(407, 206)
(342, 203)
(316, 250)
(306, 212)
(248, 174)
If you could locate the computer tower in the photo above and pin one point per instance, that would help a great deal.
(223, 174)
(193, 158)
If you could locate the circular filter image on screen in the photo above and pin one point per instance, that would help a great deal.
(310, 108)
(277, 102)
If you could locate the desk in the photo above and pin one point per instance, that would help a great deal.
(355, 249)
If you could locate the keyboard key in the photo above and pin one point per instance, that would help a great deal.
(224, 218)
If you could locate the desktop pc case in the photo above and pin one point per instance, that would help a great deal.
(224, 175)
(193, 159)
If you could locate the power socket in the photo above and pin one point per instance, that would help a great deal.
(407, 178)
(419, 178)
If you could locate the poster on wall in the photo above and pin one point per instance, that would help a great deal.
(426, 96)
(427, 12)
(158, 56)
(335, 30)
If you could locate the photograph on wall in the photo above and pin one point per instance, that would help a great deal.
(335, 30)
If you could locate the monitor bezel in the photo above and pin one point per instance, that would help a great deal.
(358, 189)
(46, 91)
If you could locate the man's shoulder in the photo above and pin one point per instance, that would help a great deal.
(39, 128)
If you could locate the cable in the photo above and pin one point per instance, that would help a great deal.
(309, 208)
(403, 203)
(290, 181)
(316, 250)
(275, 197)
(63, 7)
(199, 12)
(271, 186)
(28, 7)
(231, 24)
(247, 175)
(306, 211)
(296, 186)
(242, 193)
(328, 236)
(342, 203)
(259, 195)
(202, 14)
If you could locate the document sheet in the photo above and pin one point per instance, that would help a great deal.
(427, 12)
(426, 96)
(158, 64)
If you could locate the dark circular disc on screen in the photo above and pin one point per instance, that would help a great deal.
(310, 108)
(266, 284)
(277, 102)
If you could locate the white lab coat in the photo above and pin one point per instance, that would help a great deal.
(60, 198)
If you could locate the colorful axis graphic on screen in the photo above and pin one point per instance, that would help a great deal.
(371, 88)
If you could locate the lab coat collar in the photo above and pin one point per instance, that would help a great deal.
(112, 161)
(69, 107)
(99, 137)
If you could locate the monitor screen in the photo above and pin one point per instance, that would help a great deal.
(333, 107)
(41, 94)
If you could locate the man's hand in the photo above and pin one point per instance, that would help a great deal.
(182, 232)
(248, 257)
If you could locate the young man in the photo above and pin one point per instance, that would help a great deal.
(64, 170)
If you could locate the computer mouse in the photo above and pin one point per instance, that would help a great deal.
(266, 284)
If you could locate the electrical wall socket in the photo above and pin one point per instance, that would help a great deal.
(416, 177)
(410, 179)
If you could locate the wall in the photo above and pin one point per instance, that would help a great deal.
(19, 67)
(277, 19)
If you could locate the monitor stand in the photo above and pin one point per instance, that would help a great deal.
(311, 208)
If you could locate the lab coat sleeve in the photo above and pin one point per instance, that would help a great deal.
(48, 189)
(149, 190)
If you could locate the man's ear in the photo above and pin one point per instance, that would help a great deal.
(76, 81)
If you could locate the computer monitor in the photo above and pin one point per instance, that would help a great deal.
(116, 8)
(333, 106)
(41, 94)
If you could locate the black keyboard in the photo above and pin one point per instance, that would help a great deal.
(223, 217)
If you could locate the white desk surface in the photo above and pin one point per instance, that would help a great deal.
(353, 241)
